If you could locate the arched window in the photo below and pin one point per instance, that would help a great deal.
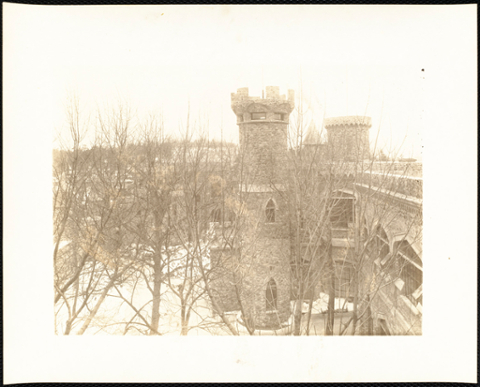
(216, 215)
(410, 269)
(271, 295)
(270, 212)
(342, 210)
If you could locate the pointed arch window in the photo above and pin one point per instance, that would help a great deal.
(409, 269)
(271, 295)
(216, 215)
(270, 212)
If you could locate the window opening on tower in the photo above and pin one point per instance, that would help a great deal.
(270, 211)
(259, 116)
(271, 295)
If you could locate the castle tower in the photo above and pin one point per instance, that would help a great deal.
(348, 137)
(263, 126)
(263, 123)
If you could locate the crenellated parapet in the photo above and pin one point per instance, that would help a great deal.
(276, 107)
(360, 122)
(263, 123)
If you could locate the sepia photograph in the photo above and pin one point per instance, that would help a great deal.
(239, 172)
(276, 219)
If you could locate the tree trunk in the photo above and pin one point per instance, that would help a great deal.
(331, 295)
(248, 324)
(224, 318)
(184, 319)
(297, 311)
(97, 306)
(355, 300)
(357, 268)
(68, 326)
(309, 316)
(157, 283)
(369, 318)
(73, 279)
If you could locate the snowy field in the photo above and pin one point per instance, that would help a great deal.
(114, 314)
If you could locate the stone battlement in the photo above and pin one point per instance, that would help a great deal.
(348, 121)
(241, 101)
(348, 137)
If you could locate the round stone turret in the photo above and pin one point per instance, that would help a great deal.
(348, 137)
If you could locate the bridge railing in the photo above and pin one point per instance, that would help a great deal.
(399, 184)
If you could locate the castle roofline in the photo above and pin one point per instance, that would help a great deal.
(271, 101)
(271, 93)
(348, 121)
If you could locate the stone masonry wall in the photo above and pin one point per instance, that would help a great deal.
(267, 264)
(223, 280)
(348, 137)
(350, 143)
(263, 148)
(267, 250)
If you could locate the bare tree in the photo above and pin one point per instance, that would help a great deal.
(100, 252)
(138, 212)
(331, 193)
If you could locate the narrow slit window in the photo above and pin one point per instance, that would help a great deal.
(279, 116)
(270, 212)
(271, 295)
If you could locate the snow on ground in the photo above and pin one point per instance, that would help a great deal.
(115, 315)
(321, 304)
(115, 312)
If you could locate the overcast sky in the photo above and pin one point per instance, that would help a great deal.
(161, 59)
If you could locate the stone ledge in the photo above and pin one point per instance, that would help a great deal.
(261, 121)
